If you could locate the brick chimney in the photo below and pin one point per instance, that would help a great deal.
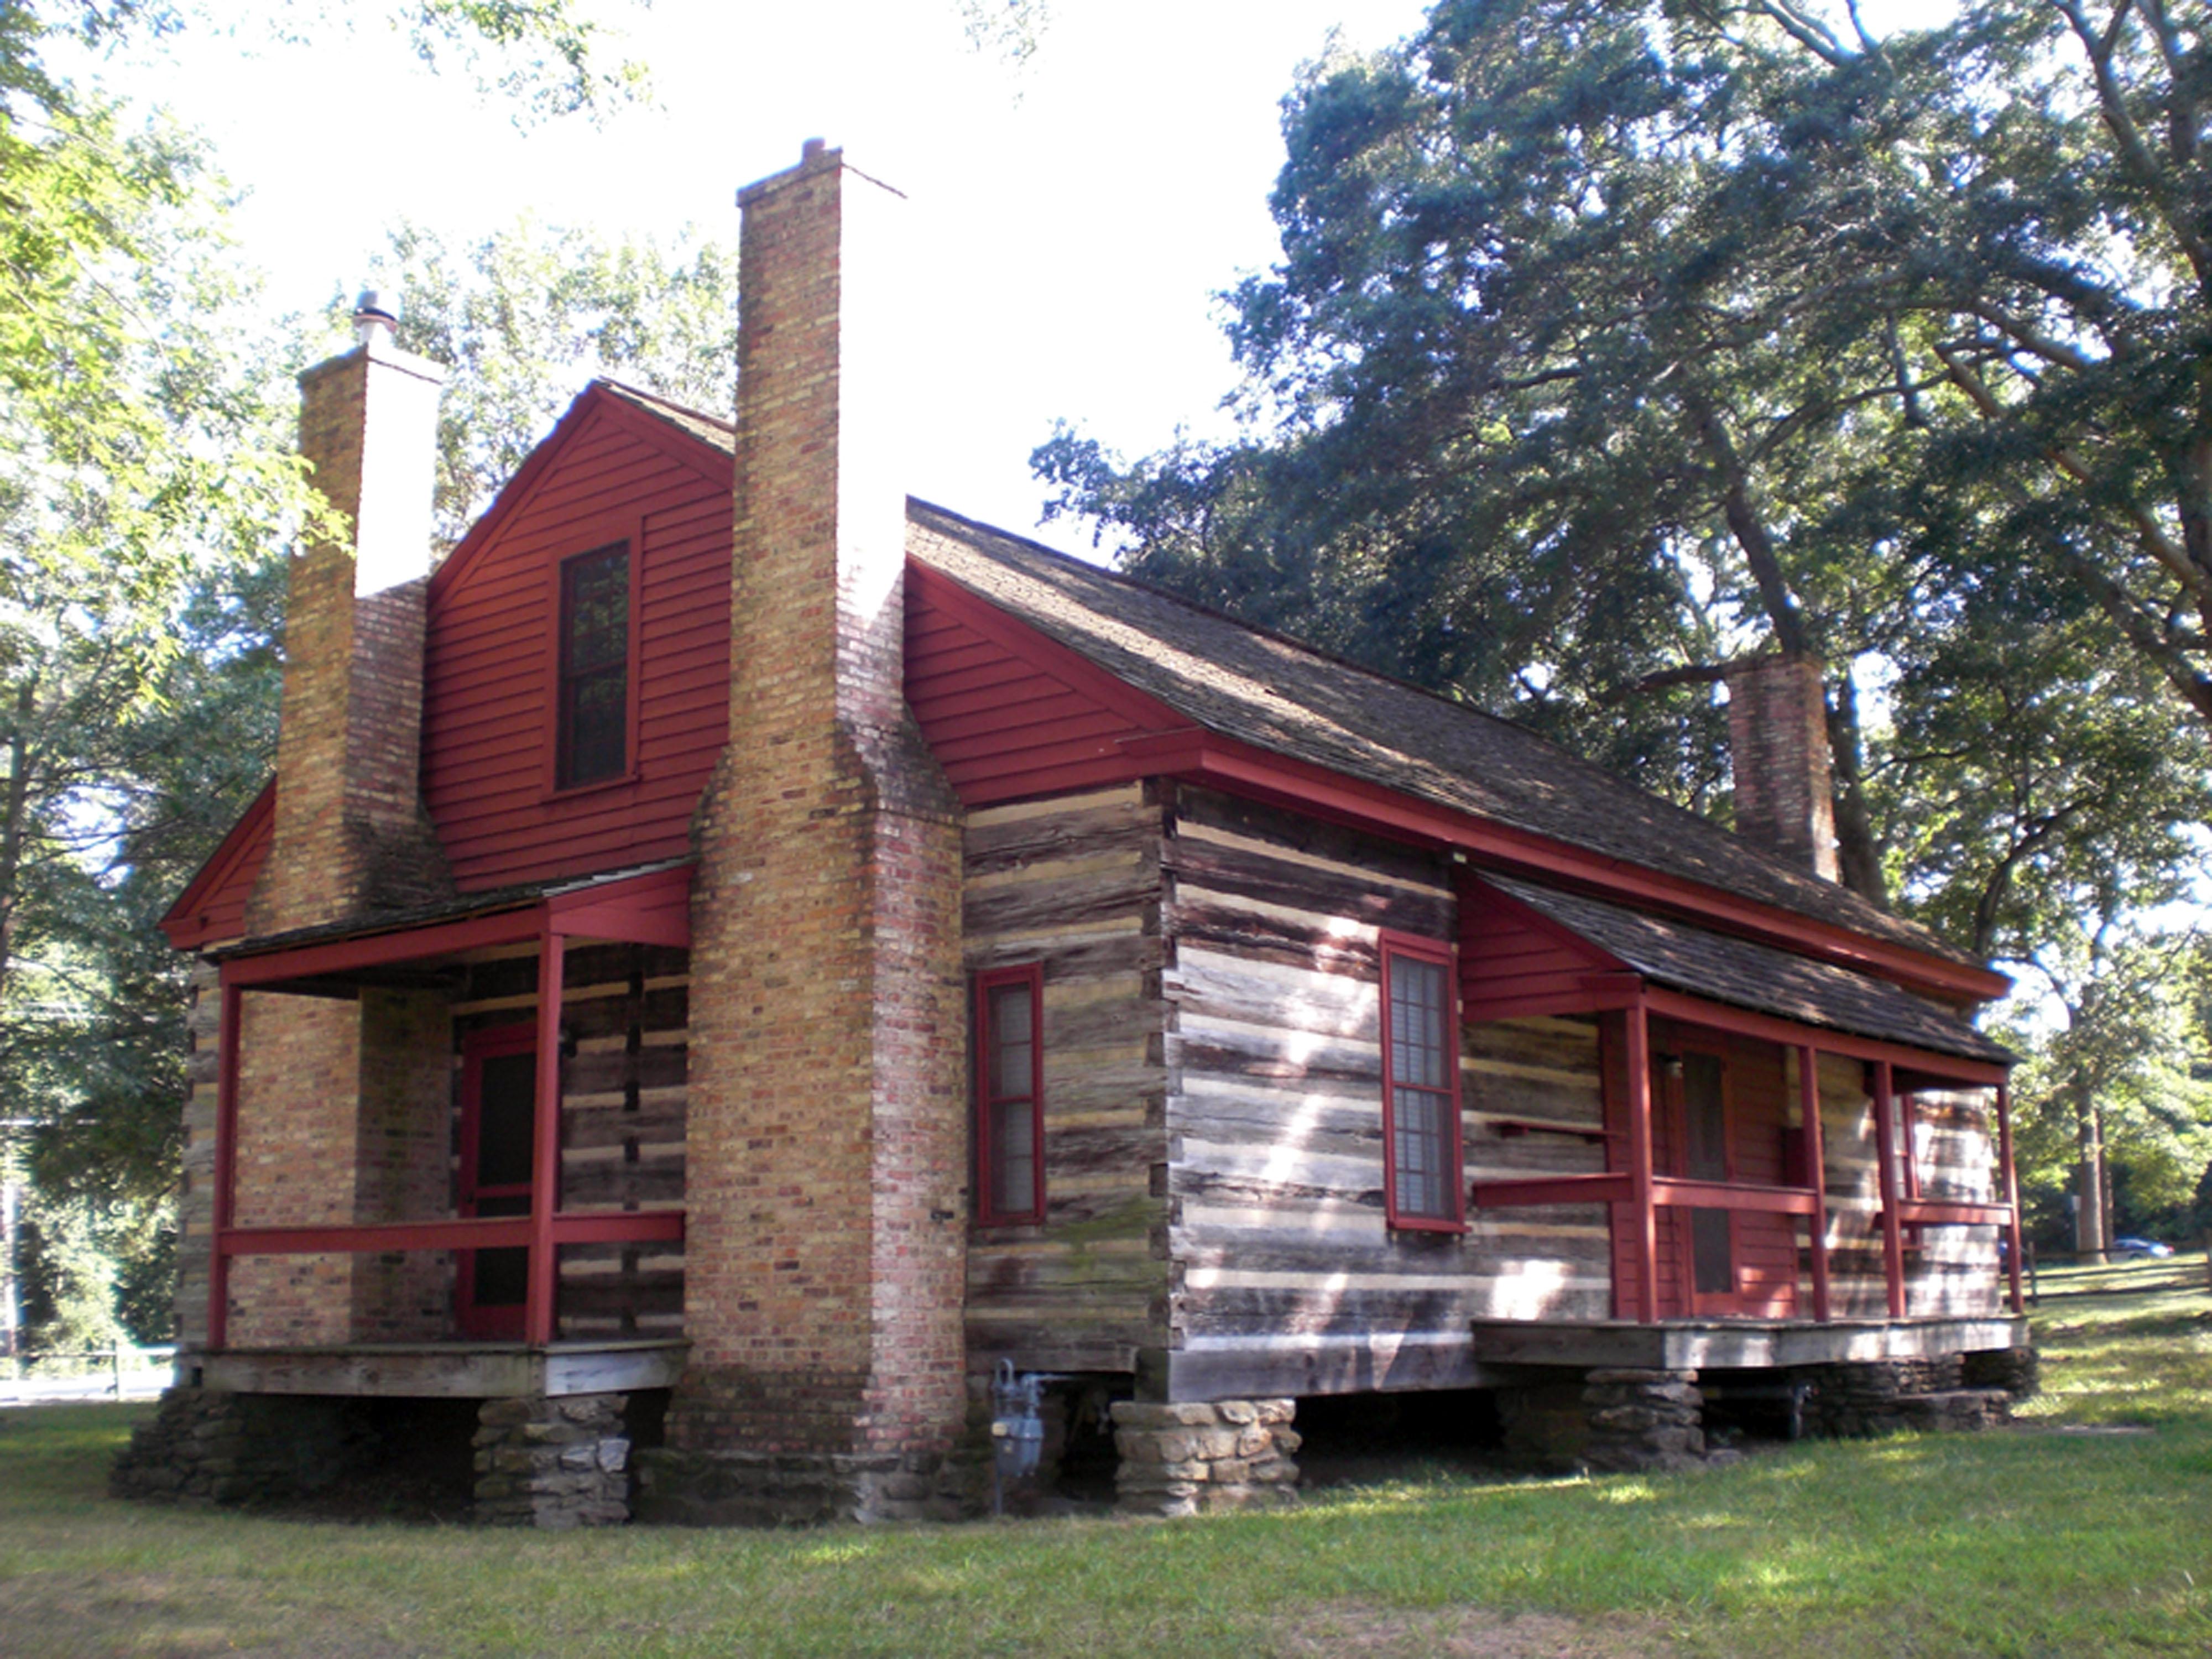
(347, 1104)
(824, 1239)
(350, 836)
(1778, 742)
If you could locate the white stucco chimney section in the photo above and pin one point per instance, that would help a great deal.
(398, 470)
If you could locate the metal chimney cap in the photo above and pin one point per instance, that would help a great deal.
(372, 317)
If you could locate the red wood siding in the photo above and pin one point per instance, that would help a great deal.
(1506, 952)
(212, 909)
(487, 723)
(1008, 713)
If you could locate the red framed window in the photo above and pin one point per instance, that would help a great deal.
(1422, 1188)
(1010, 1095)
(592, 691)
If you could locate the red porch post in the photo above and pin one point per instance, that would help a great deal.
(1893, 1233)
(2011, 1196)
(1816, 1163)
(1639, 1164)
(538, 1323)
(229, 1018)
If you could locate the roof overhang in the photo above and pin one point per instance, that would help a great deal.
(637, 907)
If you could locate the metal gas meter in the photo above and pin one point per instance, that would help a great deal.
(1017, 1427)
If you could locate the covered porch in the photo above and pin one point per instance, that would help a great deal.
(420, 1195)
(1711, 1046)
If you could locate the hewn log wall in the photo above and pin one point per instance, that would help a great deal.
(1074, 883)
(625, 1008)
(1287, 1277)
(1948, 1270)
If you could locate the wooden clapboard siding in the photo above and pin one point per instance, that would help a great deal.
(625, 1010)
(1275, 1175)
(487, 723)
(1074, 885)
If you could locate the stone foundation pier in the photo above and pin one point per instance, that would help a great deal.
(1198, 1457)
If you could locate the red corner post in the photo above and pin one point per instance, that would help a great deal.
(229, 1020)
(1893, 1232)
(538, 1323)
(1639, 1164)
(2011, 1197)
(1816, 1169)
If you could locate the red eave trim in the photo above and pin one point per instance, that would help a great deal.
(652, 908)
(1697, 1010)
(597, 403)
(1206, 757)
(180, 923)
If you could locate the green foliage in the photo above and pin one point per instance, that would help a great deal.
(524, 316)
(1612, 342)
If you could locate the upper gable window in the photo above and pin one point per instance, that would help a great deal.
(594, 741)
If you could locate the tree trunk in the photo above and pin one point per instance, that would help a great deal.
(2091, 1241)
(1857, 856)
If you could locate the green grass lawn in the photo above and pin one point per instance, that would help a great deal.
(2086, 1531)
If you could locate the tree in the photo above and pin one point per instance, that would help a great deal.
(525, 316)
(1611, 341)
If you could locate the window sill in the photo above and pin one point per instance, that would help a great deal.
(1415, 1223)
(597, 785)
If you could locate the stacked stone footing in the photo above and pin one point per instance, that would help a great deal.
(1946, 1393)
(677, 1487)
(1199, 1458)
(208, 1446)
(553, 1463)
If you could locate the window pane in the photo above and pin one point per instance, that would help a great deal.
(1416, 1021)
(1012, 1063)
(595, 610)
(1013, 1137)
(598, 724)
(1417, 1118)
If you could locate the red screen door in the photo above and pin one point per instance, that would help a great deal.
(499, 1117)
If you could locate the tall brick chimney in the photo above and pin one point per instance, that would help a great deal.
(824, 1239)
(346, 1104)
(350, 836)
(1778, 742)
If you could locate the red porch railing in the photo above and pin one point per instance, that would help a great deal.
(648, 908)
(1646, 1192)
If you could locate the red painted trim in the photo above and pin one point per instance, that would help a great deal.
(1444, 956)
(538, 1313)
(1204, 757)
(1645, 1216)
(184, 923)
(1677, 1093)
(1924, 1214)
(1885, 1138)
(476, 1049)
(1816, 1159)
(595, 405)
(1696, 1011)
(480, 1233)
(651, 908)
(987, 1214)
(229, 1018)
(1674, 1192)
(1613, 1187)
(2011, 1197)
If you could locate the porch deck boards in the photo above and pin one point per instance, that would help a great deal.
(1738, 1344)
(443, 1370)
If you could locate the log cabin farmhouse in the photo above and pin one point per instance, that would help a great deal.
(736, 954)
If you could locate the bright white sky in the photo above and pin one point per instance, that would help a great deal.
(1070, 221)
